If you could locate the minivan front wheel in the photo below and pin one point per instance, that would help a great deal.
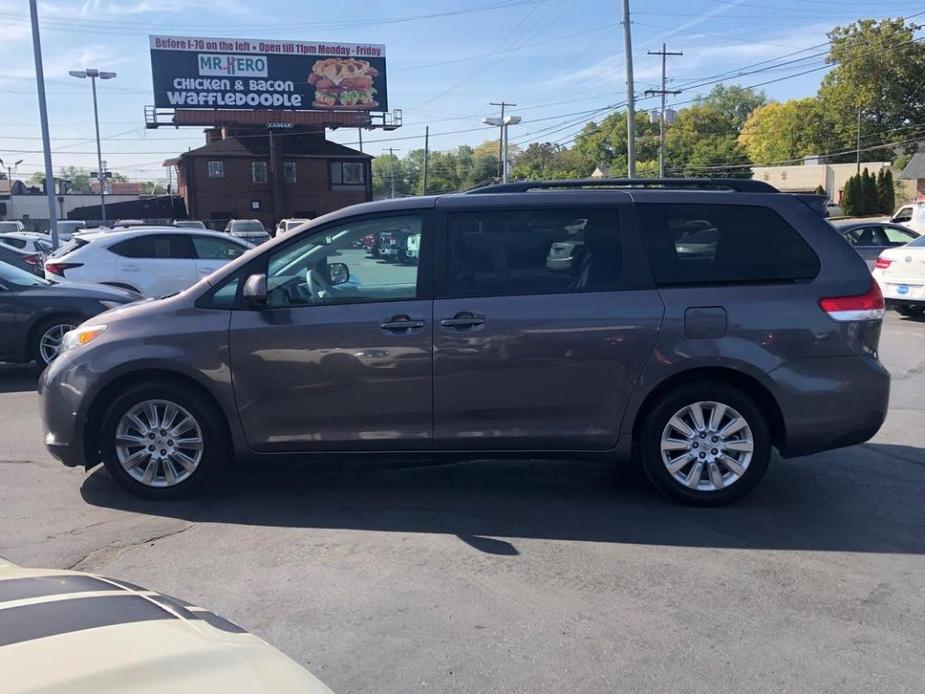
(706, 444)
(162, 441)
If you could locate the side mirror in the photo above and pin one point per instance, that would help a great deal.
(255, 291)
(338, 273)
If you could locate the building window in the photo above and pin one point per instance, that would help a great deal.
(289, 171)
(348, 173)
(259, 171)
(216, 169)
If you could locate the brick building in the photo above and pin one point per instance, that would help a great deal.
(256, 173)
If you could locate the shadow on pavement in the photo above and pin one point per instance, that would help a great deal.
(863, 499)
(18, 378)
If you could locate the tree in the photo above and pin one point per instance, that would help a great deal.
(702, 141)
(887, 194)
(869, 188)
(604, 144)
(852, 200)
(734, 101)
(549, 160)
(820, 190)
(783, 132)
(879, 69)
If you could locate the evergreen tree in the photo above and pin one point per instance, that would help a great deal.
(849, 202)
(880, 190)
(869, 191)
(889, 193)
(819, 190)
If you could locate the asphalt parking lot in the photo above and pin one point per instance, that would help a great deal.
(525, 576)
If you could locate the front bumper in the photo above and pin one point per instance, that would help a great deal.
(830, 402)
(61, 390)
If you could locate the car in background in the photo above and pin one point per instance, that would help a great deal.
(286, 225)
(250, 230)
(870, 239)
(28, 242)
(35, 313)
(153, 261)
(189, 224)
(29, 261)
(66, 229)
(911, 215)
(833, 209)
(11, 227)
(68, 631)
(900, 272)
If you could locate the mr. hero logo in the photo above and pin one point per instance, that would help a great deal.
(213, 65)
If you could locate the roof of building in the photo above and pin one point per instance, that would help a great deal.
(119, 188)
(916, 167)
(260, 147)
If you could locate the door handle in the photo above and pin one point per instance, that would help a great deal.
(399, 324)
(131, 268)
(462, 321)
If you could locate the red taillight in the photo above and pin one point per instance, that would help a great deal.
(33, 259)
(883, 263)
(59, 268)
(867, 306)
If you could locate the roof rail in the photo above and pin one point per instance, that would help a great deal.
(739, 185)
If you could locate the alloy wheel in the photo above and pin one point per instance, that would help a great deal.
(50, 342)
(159, 443)
(707, 446)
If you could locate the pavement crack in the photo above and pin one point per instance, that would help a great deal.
(100, 556)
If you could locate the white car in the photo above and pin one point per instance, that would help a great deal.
(189, 224)
(151, 261)
(66, 631)
(290, 224)
(11, 227)
(900, 272)
(29, 243)
(911, 215)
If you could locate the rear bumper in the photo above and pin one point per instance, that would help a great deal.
(893, 303)
(830, 402)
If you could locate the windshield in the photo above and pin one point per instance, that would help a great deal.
(247, 225)
(13, 276)
(920, 242)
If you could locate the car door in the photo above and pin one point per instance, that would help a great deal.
(338, 357)
(536, 349)
(9, 331)
(156, 264)
(213, 252)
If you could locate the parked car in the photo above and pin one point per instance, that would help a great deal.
(148, 260)
(833, 209)
(68, 631)
(11, 227)
(189, 224)
(701, 363)
(900, 272)
(911, 215)
(27, 242)
(286, 225)
(870, 239)
(27, 260)
(251, 230)
(35, 314)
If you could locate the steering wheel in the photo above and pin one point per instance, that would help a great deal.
(316, 285)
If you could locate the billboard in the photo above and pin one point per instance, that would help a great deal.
(238, 74)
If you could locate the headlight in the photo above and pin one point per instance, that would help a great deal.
(81, 336)
(112, 304)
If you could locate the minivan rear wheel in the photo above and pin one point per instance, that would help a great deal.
(706, 444)
(162, 441)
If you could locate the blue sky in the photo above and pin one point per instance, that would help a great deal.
(561, 61)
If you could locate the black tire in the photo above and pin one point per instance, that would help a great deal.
(35, 339)
(910, 311)
(656, 421)
(215, 448)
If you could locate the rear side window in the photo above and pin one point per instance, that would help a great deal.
(161, 246)
(723, 244)
(211, 248)
(15, 243)
(507, 252)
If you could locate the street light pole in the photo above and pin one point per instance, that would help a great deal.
(503, 123)
(43, 117)
(93, 74)
(9, 179)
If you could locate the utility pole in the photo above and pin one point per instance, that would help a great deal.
(43, 117)
(661, 118)
(392, 169)
(630, 98)
(360, 133)
(502, 145)
(426, 156)
(859, 141)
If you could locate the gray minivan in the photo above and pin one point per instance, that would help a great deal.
(692, 325)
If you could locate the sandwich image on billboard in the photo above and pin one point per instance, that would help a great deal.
(193, 73)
